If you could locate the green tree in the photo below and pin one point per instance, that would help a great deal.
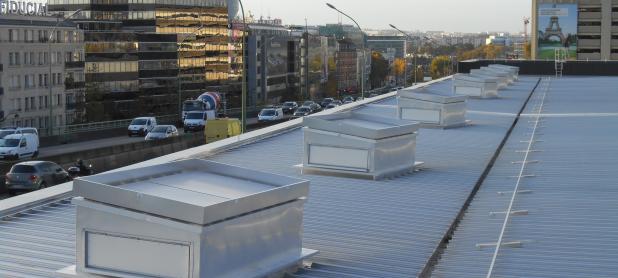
(379, 70)
(440, 66)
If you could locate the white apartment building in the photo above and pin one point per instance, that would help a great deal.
(30, 66)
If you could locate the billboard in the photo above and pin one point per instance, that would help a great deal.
(557, 29)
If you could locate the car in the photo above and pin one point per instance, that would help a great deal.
(34, 175)
(348, 99)
(289, 107)
(17, 146)
(141, 126)
(270, 114)
(325, 102)
(308, 103)
(334, 104)
(373, 95)
(302, 112)
(162, 132)
(195, 121)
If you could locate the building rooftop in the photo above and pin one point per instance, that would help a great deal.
(395, 227)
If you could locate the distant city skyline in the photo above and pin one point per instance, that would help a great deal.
(469, 16)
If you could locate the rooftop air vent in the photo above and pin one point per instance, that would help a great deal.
(359, 145)
(501, 77)
(509, 74)
(432, 108)
(513, 70)
(191, 218)
(475, 86)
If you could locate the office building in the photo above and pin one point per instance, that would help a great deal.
(31, 65)
(347, 67)
(585, 30)
(273, 62)
(137, 51)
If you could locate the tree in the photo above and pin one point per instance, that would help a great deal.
(483, 52)
(440, 66)
(399, 67)
(528, 51)
(379, 70)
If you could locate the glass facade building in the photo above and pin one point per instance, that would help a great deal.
(137, 51)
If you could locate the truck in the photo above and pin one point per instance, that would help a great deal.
(208, 102)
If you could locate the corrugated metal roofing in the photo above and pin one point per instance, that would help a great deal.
(570, 230)
(361, 228)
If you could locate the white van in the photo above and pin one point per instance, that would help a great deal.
(196, 120)
(19, 130)
(141, 126)
(16, 146)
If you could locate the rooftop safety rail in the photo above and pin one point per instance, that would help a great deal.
(509, 212)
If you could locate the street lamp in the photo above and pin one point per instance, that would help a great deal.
(231, 14)
(50, 125)
(413, 54)
(362, 45)
(179, 79)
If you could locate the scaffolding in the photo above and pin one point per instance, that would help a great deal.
(560, 58)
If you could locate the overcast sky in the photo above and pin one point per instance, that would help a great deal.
(425, 15)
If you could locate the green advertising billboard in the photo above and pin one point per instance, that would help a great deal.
(557, 29)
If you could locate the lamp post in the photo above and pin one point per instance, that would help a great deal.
(362, 45)
(179, 79)
(413, 54)
(231, 15)
(50, 124)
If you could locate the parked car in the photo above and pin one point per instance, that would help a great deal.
(16, 146)
(373, 95)
(142, 126)
(289, 107)
(34, 175)
(270, 115)
(195, 121)
(302, 112)
(325, 102)
(162, 132)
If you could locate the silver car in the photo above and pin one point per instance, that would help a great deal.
(34, 175)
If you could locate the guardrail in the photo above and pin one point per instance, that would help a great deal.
(98, 126)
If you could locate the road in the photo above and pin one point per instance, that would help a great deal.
(96, 144)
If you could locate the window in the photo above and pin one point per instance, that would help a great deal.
(11, 59)
(41, 80)
(13, 35)
(17, 60)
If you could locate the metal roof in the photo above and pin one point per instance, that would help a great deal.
(362, 228)
(568, 189)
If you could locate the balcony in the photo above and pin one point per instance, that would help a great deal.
(74, 65)
(589, 30)
(586, 43)
(589, 56)
(589, 16)
(70, 106)
(70, 85)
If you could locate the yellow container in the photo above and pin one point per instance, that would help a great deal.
(220, 129)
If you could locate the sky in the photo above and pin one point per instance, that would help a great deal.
(425, 15)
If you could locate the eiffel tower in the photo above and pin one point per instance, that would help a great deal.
(554, 30)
